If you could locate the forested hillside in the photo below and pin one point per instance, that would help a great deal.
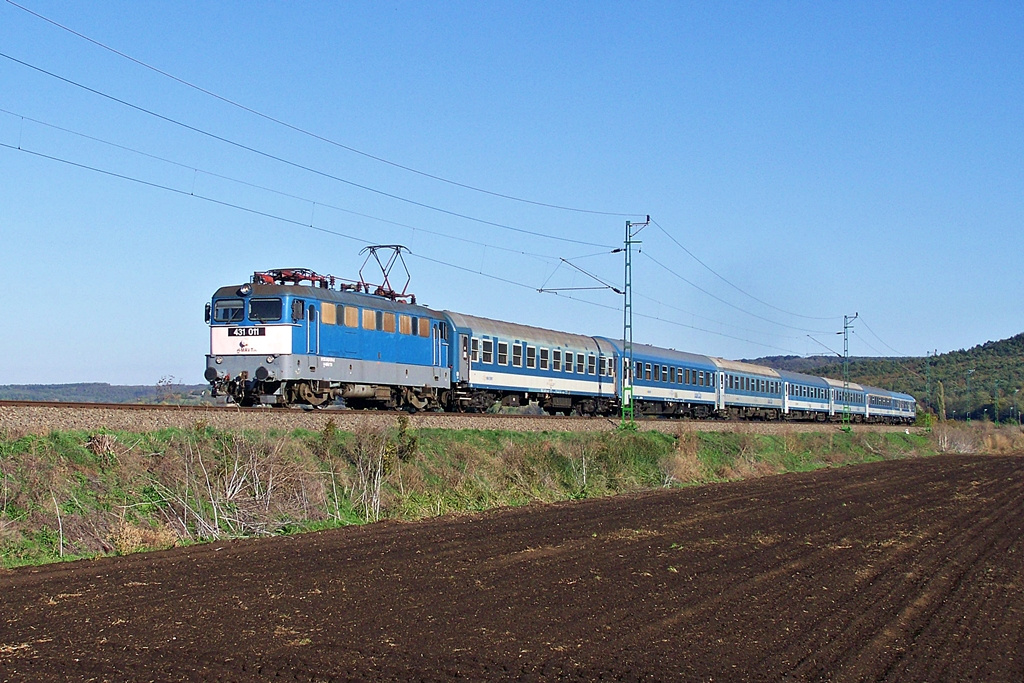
(970, 382)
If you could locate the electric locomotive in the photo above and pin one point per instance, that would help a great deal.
(292, 336)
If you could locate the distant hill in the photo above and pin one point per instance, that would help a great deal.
(998, 371)
(97, 392)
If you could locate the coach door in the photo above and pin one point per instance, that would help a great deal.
(464, 364)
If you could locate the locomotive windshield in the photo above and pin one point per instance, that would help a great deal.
(265, 310)
(228, 311)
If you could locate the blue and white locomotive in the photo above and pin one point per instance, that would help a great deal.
(292, 337)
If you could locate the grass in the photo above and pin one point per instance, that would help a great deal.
(123, 492)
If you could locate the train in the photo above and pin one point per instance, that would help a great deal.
(292, 337)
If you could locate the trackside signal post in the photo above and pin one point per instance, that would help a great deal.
(632, 230)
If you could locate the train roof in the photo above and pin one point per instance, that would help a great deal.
(349, 298)
(668, 355)
(748, 368)
(801, 378)
(515, 331)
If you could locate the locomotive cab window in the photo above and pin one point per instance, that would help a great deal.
(265, 310)
(228, 311)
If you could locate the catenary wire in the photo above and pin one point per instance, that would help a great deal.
(293, 164)
(868, 327)
(730, 305)
(543, 257)
(366, 242)
(311, 134)
(731, 284)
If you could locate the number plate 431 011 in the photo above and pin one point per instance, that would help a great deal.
(247, 332)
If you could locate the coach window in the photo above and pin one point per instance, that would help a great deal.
(700, 378)
(502, 353)
(544, 353)
(475, 346)
(556, 360)
(488, 351)
(569, 360)
(581, 361)
(531, 357)
(639, 372)
(228, 311)
(517, 355)
(591, 364)
(647, 371)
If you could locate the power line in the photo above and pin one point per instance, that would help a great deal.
(315, 202)
(364, 242)
(711, 320)
(731, 284)
(311, 134)
(730, 305)
(898, 353)
(293, 164)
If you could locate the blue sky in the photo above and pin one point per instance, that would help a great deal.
(820, 159)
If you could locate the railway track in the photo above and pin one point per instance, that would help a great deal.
(38, 417)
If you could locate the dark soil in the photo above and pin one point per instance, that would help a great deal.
(902, 570)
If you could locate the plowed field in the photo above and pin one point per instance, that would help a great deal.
(902, 570)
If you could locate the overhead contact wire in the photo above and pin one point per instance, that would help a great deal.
(293, 164)
(734, 286)
(179, 164)
(311, 134)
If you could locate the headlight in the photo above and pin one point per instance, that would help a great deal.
(245, 289)
(219, 360)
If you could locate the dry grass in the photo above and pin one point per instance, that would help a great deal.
(683, 465)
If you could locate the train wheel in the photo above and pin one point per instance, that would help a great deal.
(306, 394)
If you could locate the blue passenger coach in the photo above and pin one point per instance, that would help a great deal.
(670, 382)
(516, 364)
